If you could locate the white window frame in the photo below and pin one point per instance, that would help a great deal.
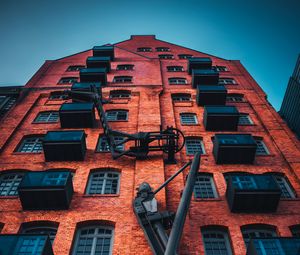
(47, 117)
(245, 120)
(12, 183)
(180, 97)
(204, 184)
(227, 81)
(36, 141)
(94, 237)
(188, 150)
(188, 118)
(104, 180)
(177, 81)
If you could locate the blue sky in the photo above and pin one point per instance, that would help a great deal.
(263, 34)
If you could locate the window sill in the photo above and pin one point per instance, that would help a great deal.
(190, 124)
(9, 197)
(187, 103)
(44, 122)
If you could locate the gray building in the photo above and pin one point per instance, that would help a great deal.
(290, 108)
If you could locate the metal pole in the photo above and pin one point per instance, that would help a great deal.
(159, 229)
(176, 231)
(172, 177)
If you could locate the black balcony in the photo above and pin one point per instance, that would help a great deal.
(85, 87)
(275, 245)
(104, 51)
(234, 148)
(199, 63)
(211, 95)
(98, 62)
(204, 77)
(221, 118)
(17, 244)
(46, 190)
(93, 75)
(64, 145)
(252, 193)
(77, 115)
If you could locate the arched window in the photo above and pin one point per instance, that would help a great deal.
(166, 56)
(94, 240)
(175, 68)
(116, 115)
(125, 67)
(235, 98)
(205, 186)
(67, 80)
(47, 117)
(120, 94)
(162, 49)
(31, 144)
(285, 186)
(103, 182)
(9, 183)
(177, 80)
(75, 68)
(181, 97)
(185, 56)
(216, 241)
(40, 228)
(188, 118)
(193, 145)
(144, 49)
(122, 79)
(257, 231)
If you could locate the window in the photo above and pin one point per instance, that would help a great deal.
(245, 119)
(47, 117)
(102, 182)
(75, 68)
(235, 98)
(188, 118)
(30, 245)
(122, 79)
(194, 145)
(221, 68)
(181, 97)
(144, 49)
(9, 183)
(57, 95)
(175, 68)
(120, 94)
(55, 178)
(257, 232)
(243, 181)
(204, 186)
(166, 56)
(31, 145)
(162, 49)
(103, 145)
(94, 240)
(226, 81)
(68, 80)
(177, 80)
(116, 115)
(295, 231)
(284, 185)
(185, 56)
(216, 242)
(261, 147)
(125, 67)
(42, 229)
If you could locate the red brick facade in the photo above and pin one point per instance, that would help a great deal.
(149, 107)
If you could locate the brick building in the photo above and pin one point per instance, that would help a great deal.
(247, 150)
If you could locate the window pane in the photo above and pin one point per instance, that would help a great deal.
(261, 148)
(47, 117)
(9, 183)
(188, 118)
(103, 145)
(226, 81)
(122, 79)
(125, 67)
(94, 241)
(102, 182)
(177, 81)
(31, 145)
(181, 97)
(175, 68)
(204, 187)
(245, 119)
(116, 115)
(41, 230)
(194, 145)
(68, 80)
(286, 189)
(120, 94)
(216, 243)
